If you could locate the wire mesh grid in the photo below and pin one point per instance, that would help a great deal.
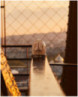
(27, 21)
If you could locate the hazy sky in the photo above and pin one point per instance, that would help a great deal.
(28, 17)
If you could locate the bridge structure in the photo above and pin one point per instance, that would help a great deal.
(42, 81)
(40, 70)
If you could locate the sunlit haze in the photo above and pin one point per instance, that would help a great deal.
(28, 17)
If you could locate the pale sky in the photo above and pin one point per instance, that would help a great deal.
(29, 17)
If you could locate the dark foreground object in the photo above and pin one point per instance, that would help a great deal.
(69, 78)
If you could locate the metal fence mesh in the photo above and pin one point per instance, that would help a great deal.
(27, 21)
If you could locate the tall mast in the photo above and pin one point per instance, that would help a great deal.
(3, 24)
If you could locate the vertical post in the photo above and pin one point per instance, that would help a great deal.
(4, 27)
(3, 24)
(69, 77)
(27, 52)
(27, 63)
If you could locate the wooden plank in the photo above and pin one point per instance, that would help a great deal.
(23, 88)
(42, 80)
(64, 64)
(25, 46)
